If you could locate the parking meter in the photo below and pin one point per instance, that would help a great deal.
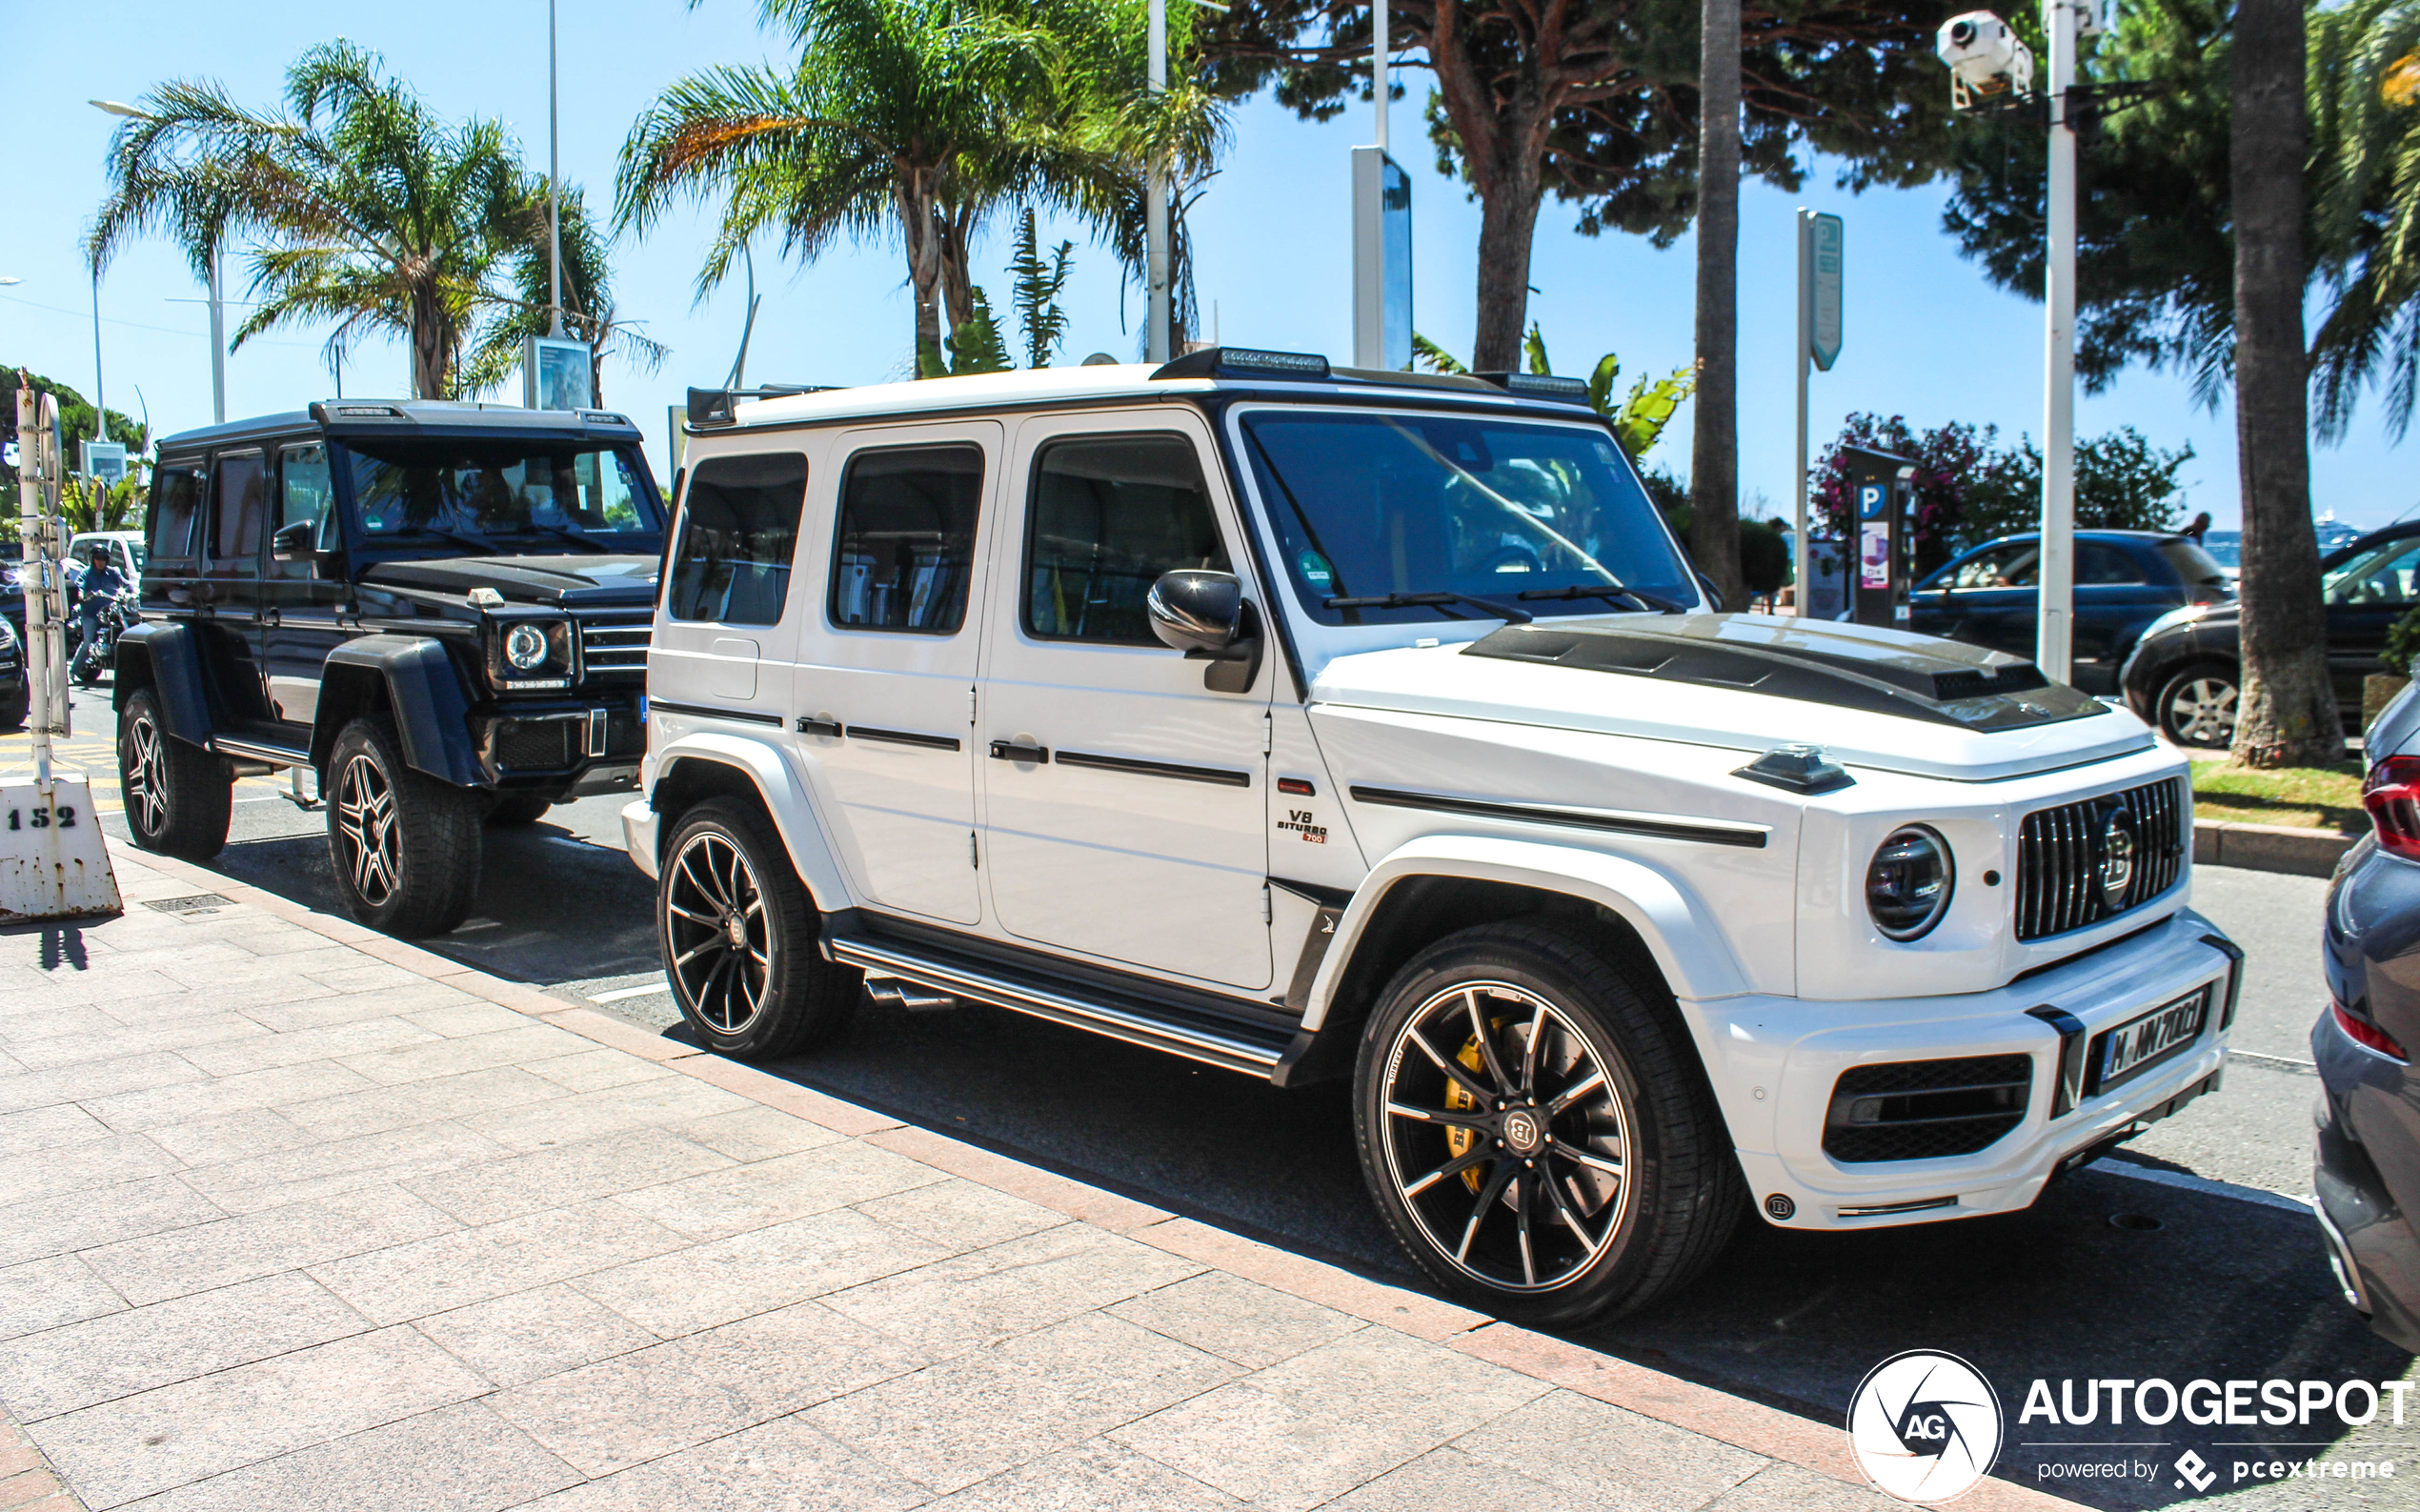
(1879, 486)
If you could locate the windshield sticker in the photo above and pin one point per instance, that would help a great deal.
(1316, 570)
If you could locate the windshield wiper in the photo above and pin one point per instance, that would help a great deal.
(573, 536)
(1503, 612)
(458, 539)
(1654, 602)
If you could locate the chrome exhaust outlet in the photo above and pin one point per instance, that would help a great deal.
(893, 991)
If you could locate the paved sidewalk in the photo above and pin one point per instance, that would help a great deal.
(302, 1217)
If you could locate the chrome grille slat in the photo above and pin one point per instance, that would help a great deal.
(2058, 858)
(616, 642)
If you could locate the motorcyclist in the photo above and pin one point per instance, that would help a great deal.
(98, 593)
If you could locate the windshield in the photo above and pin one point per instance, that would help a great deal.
(503, 488)
(1371, 505)
(2383, 574)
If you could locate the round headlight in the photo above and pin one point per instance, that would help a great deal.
(525, 648)
(1907, 886)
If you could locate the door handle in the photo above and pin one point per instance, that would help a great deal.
(829, 728)
(270, 617)
(1010, 750)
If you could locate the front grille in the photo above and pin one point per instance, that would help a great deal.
(2064, 860)
(1924, 1110)
(616, 642)
(536, 745)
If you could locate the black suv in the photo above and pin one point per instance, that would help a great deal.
(440, 610)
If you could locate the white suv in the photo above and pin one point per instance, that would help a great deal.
(1319, 723)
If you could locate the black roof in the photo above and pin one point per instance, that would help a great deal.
(391, 418)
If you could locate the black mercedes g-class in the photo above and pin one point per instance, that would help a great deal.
(440, 611)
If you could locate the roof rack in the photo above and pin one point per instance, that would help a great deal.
(716, 407)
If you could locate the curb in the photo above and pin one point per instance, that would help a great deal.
(2269, 847)
(1769, 1432)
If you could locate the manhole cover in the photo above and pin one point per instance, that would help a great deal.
(198, 903)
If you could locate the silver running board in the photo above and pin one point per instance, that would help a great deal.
(1194, 1042)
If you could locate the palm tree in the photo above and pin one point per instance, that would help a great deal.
(371, 210)
(1714, 455)
(588, 304)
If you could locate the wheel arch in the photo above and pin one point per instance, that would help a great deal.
(411, 678)
(706, 764)
(164, 658)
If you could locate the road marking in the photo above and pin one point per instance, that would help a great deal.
(2201, 1184)
(621, 993)
(2307, 1068)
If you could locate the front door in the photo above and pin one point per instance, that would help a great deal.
(1123, 811)
(227, 615)
(300, 599)
(885, 683)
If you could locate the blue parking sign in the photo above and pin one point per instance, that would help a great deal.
(1870, 497)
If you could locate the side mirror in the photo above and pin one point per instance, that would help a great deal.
(1205, 615)
(292, 543)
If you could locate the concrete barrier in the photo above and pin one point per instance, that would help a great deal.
(2270, 847)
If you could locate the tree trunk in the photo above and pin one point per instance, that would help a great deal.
(1714, 455)
(919, 228)
(430, 345)
(2288, 715)
(1507, 221)
(958, 272)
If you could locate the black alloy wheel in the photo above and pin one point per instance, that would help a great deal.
(2196, 707)
(738, 935)
(178, 797)
(405, 847)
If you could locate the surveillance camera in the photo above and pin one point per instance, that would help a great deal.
(1986, 59)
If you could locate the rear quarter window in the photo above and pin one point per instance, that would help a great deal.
(177, 492)
(738, 533)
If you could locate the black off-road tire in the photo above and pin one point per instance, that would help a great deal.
(178, 796)
(779, 996)
(516, 809)
(422, 836)
(1679, 1193)
(2189, 690)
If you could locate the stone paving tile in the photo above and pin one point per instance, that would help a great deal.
(238, 1249)
(130, 1075)
(1446, 1478)
(47, 1128)
(98, 988)
(594, 1070)
(376, 1110)
(1314, 1426)
(48, 1293)
(179, 1001)
(73, 1047)
(367, 976)
(184, 960)
(71, 1221)
(134, 1111)
(1595, 1452)
(140, 1444)
(83, 1165)
(326, 1043)
(472, 1266)
(446, 1057)
(234, 1137)
(727, 1279)
(494, 1190)
(959, 1214)
(1253, 1326)
(1091, 1478)
(972, 1417)
(1782, 1487)
(780, 1466)
(638, 1406)
(1026, 1283)
(43, 1374)
(592, 1115)
(26, 1016)
(456, 1459)
(313, 1171)
(753, 1133)
(775, 1191)
(530, 1335)
(344, 1008)
(476, 1017)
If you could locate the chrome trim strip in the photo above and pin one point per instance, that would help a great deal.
(1194, 1044)
(1891, 1209)
(1705, 832)
(706, 712)
(1154, 769)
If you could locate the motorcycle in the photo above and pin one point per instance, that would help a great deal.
(98, 651)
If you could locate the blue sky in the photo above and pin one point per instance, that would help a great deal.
(1925, 335)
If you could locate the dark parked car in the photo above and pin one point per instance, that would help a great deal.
(2186, 671)
(2125, 580)
(16, 695)
(2367, 1171)
(440, 611)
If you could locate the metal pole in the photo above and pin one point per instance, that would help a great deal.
(31, 533)
(2055, 628)
(1155, 211)
(554, 192)
(100, 400)
(218, 343)
(1801, 558)
(1378, 66)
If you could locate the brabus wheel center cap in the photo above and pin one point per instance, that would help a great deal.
(734, 928)
(1524, 1133)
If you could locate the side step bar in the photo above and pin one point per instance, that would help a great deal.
(1236, 1047)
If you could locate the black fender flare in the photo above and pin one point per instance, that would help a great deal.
(420, 685)
(163, 657)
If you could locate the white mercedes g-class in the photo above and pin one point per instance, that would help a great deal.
(1318, 723)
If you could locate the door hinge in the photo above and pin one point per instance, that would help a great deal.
(1268, 906)
(1268, 733)
(974, 857)
(970, 703)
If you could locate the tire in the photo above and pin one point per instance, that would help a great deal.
(1615, 1080)
(405, 846)
(516, 809)
(781, 998)
(2196, 705)
(178, 796)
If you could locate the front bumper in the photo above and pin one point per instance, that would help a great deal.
(2371, 1245)
(1776, 1063)
(639, 827)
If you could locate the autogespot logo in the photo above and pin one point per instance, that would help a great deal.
(1926, 1426)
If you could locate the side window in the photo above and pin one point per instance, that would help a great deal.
(905, 548)
(2099, 565)
(739, 528)
(2000, 567)
(304, 491)
(1108, 516)
(176, 496)
(239, 496)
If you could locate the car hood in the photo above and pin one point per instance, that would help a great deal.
(1880, 698)
(570, 581)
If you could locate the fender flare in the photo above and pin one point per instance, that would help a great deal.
(433, 712)
(171, 668)
(785, 795)
(1679, 931)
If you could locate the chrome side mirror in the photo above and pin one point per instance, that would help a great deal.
(1205, 615)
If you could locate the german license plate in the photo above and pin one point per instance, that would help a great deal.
(2140, 1043)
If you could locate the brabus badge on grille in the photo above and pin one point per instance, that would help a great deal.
(2117, 857)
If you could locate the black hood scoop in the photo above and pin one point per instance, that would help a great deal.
(1846, 665)
(571, 581)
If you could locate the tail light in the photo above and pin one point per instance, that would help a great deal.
(2391, 794)
(2366, 1034)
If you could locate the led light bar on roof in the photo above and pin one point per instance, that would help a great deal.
(1537, 386)
(368, 411)
(1244, 362)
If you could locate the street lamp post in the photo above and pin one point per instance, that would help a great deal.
(555, 192)
(2055, 619)
(218, 301)
(1155, 210)
(100, 399)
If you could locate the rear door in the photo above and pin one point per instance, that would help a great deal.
(2115, 596)
(229, 609)
(885, 683)
(721, 649)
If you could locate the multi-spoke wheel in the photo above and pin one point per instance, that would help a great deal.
(178, 798)
(739, 937)
(1536, 1130)
(2197, 706)
(405, 847)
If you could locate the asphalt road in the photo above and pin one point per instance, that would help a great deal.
(2113, 1274)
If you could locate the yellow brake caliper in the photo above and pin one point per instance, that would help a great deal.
(1457, 1099)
